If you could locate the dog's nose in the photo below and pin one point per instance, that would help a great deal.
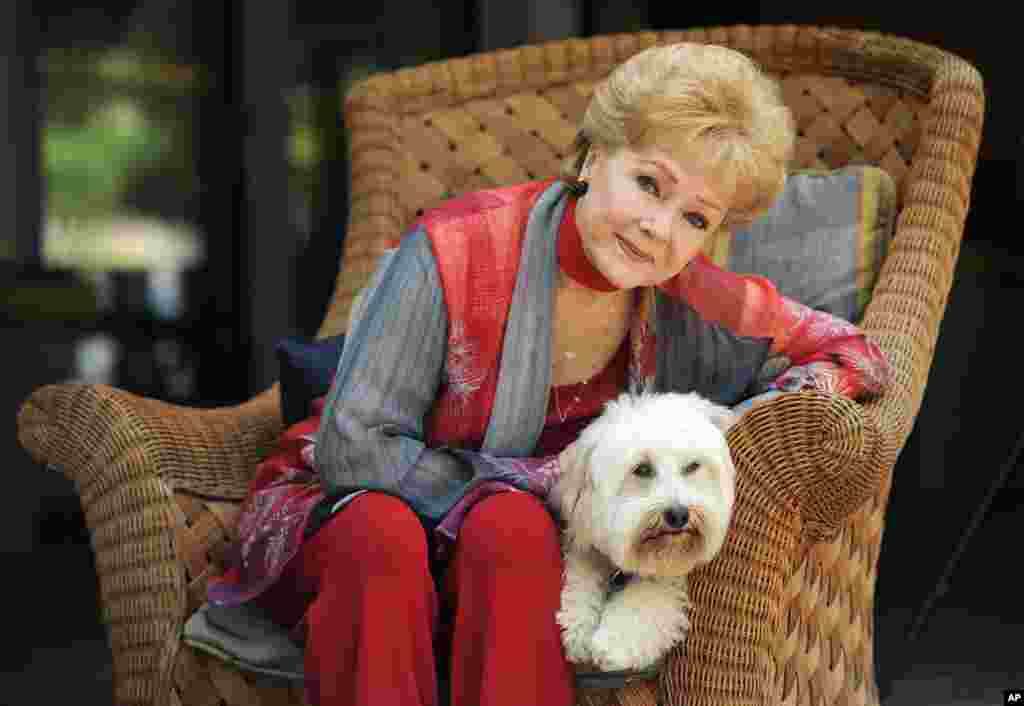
(677, 517)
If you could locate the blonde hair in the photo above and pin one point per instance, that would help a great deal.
(706, 105)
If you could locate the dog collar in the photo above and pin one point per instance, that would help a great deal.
(618, 582)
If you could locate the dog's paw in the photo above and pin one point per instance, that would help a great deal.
(641, 624)
(612, 650)
(582, 602)
(577, 632)
(577, 646)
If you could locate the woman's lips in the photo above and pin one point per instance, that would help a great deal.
(632, 251)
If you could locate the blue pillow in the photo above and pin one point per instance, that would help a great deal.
(307, 370)
(824, 240)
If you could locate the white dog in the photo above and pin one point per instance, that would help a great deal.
(646, 495)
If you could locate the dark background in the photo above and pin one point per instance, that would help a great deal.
(261, 221)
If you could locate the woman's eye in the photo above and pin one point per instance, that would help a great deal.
(643, 470)
(697, 220)
(648, 184)
(691, 468)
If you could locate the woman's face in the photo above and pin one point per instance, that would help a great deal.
(645, 215)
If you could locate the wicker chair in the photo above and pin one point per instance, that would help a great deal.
(785, 614)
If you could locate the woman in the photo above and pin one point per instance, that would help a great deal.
(485, 342)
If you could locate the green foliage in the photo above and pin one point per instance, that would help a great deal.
(89, 167)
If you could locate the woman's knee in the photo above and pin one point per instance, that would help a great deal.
(510, 529)
(375, 533)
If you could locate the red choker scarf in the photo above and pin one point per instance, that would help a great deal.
(571, 257)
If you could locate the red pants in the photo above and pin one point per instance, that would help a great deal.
(364, 585)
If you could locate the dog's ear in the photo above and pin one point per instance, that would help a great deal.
(722, 417)
(572, 479)
(569, 496)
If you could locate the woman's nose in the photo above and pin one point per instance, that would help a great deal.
(658, 225)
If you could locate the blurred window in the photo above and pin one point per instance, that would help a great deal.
(118, 162)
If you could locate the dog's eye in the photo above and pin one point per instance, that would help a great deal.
(643, 470)
(691, 468)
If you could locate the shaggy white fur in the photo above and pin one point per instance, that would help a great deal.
(648, 490)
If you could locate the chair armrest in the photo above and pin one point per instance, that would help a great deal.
(126, 455)
(88, 431)
(820, 455)
(804, 461)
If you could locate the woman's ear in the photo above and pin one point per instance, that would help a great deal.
(593, 154)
